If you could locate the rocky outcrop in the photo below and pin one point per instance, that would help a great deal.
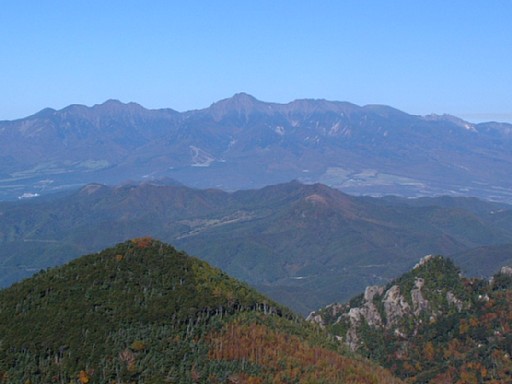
(424, 260)
(395, 306)
(432, 325)
(369, 311)
(506, 270)
(419, 303)
(454, 301)
(398, 309)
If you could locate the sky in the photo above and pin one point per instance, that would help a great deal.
(421, 57)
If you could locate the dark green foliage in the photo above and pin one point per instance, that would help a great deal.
(138, 311)
(440, 276)
(502, 281)
(142, 312)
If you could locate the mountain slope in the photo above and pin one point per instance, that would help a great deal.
(143, 312)
(431, 325)
(304, 245)
(241, 143)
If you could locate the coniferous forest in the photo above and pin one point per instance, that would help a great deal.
(142, 312)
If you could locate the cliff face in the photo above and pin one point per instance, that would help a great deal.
(431, 324)
(401, 307)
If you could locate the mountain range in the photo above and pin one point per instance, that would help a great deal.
(215, 183)
(305, 245)
(244, 143)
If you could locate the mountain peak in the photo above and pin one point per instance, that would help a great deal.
(240, 103)
(113, 106)
(46, 112)
(110, 106)
(111, 102)
(430, 314)
(238, 100)
(243, 97)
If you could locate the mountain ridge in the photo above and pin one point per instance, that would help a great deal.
(242, 142)
(301, 244)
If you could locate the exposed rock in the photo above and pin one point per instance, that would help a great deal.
(337, 309)
(372, 315)
(506, 270)
(419, 303)
(484, 298)
(395, 306)
(371, 291)
(399, 310)
(352, 339)
(334, 310)
(424, 260)
(400, 334)
(367, 313)
(453, 300)
(315, 318)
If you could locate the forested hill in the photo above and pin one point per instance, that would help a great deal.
(143, 312)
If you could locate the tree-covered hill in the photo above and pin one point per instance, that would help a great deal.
(142, 312)
(432, 325)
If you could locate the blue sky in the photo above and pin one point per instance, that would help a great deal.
(418, 56)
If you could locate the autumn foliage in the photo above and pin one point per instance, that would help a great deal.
(467, 340)
(142, 242)
(285, 358)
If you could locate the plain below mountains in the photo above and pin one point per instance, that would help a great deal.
(242, 143)
(304, 245)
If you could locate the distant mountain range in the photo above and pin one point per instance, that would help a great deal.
(304, 245)
(242, 143)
